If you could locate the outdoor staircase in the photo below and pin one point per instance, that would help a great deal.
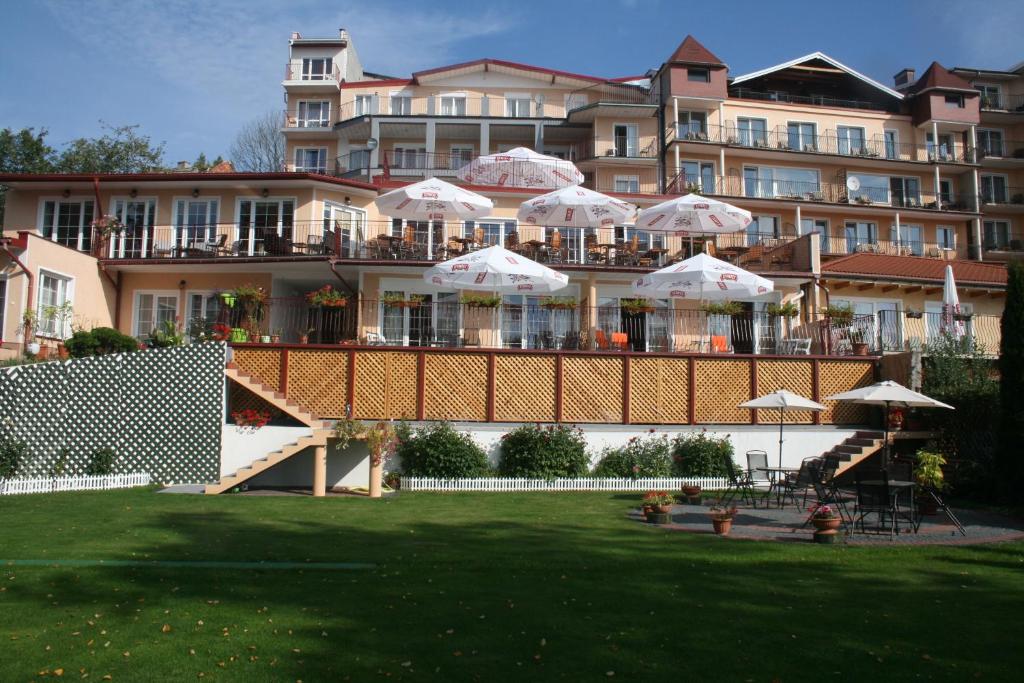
(857, 448)
(320, 431)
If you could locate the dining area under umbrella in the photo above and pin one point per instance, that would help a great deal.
(693, 215)
(572, 208)
(520, 167)
(783, 400)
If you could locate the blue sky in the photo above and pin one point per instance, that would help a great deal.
(191, 72)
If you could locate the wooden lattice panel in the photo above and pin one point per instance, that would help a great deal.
(659, 390)
(719, 386)
(792, 375)
(240, 398)
(524, 388)
(385, 385)
(591, 389)
(837, 376)
(455, 386)
(263, 364)
(318, 381)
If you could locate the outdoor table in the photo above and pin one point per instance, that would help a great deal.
(775, 474)
(655, 254)
(898, 488)
(394, 243)
(535, 247)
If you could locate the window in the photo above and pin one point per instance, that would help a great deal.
(769, 182)
(460, 156)
(68, 222)
(317, 69)
(945, 237)
(993, 189)
(698, 75)
(311, 159)
(991, 96)
(892, 144)
(401, 105)
(265, 226)
(944, 151)
(493, 232)
(809, 226)
(139, 218)
(850, 139)
(860, 236)
(955, 101)
(873, 189)
(409, 157)
(153, 309)
(911, 237)
(627, 139)
(761, 229)
(517, 105)
(202, 311)
(699, 176)
(946, 192)
(627, 183)
(54, 291)
(905, 191)
(997, 234)
(363, 105)
(453, 105)
(693, 125)
(990, 143)
(801, 136)
(314, 115)
(753, 132)
(195, 222)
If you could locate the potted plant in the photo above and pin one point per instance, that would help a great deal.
(398, 300)
(275, 336)
(914, 313)
(249, 294)
(264, 339)
(692, 494)
(476, 300)
(228, 298)
(239, 335)
(839, 315)
(824, 517)
(60, 316)
(896, 419)
(657, 506)
(327, 297)
(106, 226)
(636, 306)
(250, 420)
(220, 332)
(721, 518)
(304, 333)
(722, 308)
(928, 475)
(558, 302)
(28, 320)
(786, 310)
(860, 347)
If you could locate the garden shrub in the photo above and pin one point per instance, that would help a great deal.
(99, 341)
(438, 450)
(13, 454)
(700, 455)
(638, 458)
(540, 452)
(101, 462)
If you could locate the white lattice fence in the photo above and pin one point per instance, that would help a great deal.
(13, 487)
(511, 484)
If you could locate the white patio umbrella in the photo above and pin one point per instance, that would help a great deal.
(693, 215)
(951, 306)
(497, 270)
(783, 399)
(703, 278)
(888, 394)
(575, 207)
(433, 200)
(521, 167)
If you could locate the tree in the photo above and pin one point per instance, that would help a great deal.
(24, 151)
(259, 146)
(202, 165)
(119, 150)
(1011, 383)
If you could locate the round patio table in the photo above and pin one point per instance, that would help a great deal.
(773, 477)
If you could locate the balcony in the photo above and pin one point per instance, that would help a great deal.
(294, 121)
(531, 323)
(312, 74)
(815, 100)
(455, 107)
(1003, 103)
(1003, 197)
(903, 330)
(616, 149)
(829, 142)
(841, 245)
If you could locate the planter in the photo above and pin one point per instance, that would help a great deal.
(647, 509)
(275, 339)
(664, 509)
(917, 315)
(43, 353)
(264, 339)
(695, 500)
(690, 491)
(303, 338)
(826, 523)
(62, 351)
(228, 299)
(637, 310)
(32, 348)
(860, 348)
(239, 335)
(827, 536)
(723, 525)
(658, 518)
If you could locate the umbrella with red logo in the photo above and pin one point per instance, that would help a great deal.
(693, 215)
(575, 207)
(495, 269)
(520, 167)
(703, 278)
(433, 200)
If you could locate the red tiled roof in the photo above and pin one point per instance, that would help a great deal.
(375, 83)
(511, 65)
(176, 175)
(938, 76)
(916, 268)
(691, 51)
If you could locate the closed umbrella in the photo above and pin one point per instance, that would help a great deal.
(783, 399)
(951, 306)
(498, 270)
(888, 394)
(521, 167)
(433, 200)
(575, 207)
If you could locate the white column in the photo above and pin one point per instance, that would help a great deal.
(675, 120)
(485, 139)
(431, 141)
(977, 239)
(675, 150)
(897, 228)
(538, 137)
(799, 221)
(973, 141)
(375, 134)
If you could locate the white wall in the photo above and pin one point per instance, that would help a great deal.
(238, 449)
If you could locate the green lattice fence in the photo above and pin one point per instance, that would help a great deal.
(159, 410)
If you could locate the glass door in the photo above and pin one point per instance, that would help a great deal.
(265, 226)
(627, 140)
(138, 217)
(341, 226)
(195, 222)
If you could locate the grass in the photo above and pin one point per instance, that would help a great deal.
(479, 587)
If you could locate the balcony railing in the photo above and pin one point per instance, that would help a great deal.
(296, 71)
(1013, 103)
(903, 330)
(1003, 195)
(618, 148)
(293, 119)
(607, 93)
(435, 105)
(1007, 149)
(817, 100)
(832, 245)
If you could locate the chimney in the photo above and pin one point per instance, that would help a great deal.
(295, 35)
(183, 166)
(342, 33)
(904, 79)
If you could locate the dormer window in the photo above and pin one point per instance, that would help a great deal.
(698, 75)
(955, 101)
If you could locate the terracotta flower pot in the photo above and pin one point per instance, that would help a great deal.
(689, 491)
(826, 523)
(665, 509)
(723, 525)
(303, 338)
(860, 349)
(44, 352)
(62, 351)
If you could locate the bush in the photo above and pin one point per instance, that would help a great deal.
(638, 458)
(437, 450)
(540, 452)
(13, 454)
(101, 462)
(99, 341)
(700, 455)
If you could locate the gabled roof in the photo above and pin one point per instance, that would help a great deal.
(938, 77)
(483, 64)
(916, 269)
(825, 58)
(690, 51)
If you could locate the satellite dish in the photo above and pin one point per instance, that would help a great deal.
(371, 143)
(853, 183)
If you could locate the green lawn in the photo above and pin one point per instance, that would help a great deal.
(484, 587)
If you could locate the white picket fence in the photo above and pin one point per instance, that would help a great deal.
(11, 487)
(510, 484)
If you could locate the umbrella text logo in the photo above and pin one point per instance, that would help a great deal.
(729, 276)
(525, 288)
(480, 277)
(429, 195)
(459, 266)
(677, 293)
(568, 214)
(714, 219)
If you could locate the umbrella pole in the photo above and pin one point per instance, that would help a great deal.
(781, 412)
(885, 444)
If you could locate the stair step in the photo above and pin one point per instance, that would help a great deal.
(869, 435)
(847, 448)
(854, 441)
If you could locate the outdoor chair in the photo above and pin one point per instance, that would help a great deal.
(801, 482)
(874, 497)
(719, 344)
(571, 341)
(374, 339)
(215, 247)
(759, 479)
(739, 483)
(555, 252)
(601, 340)
(620, 340)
